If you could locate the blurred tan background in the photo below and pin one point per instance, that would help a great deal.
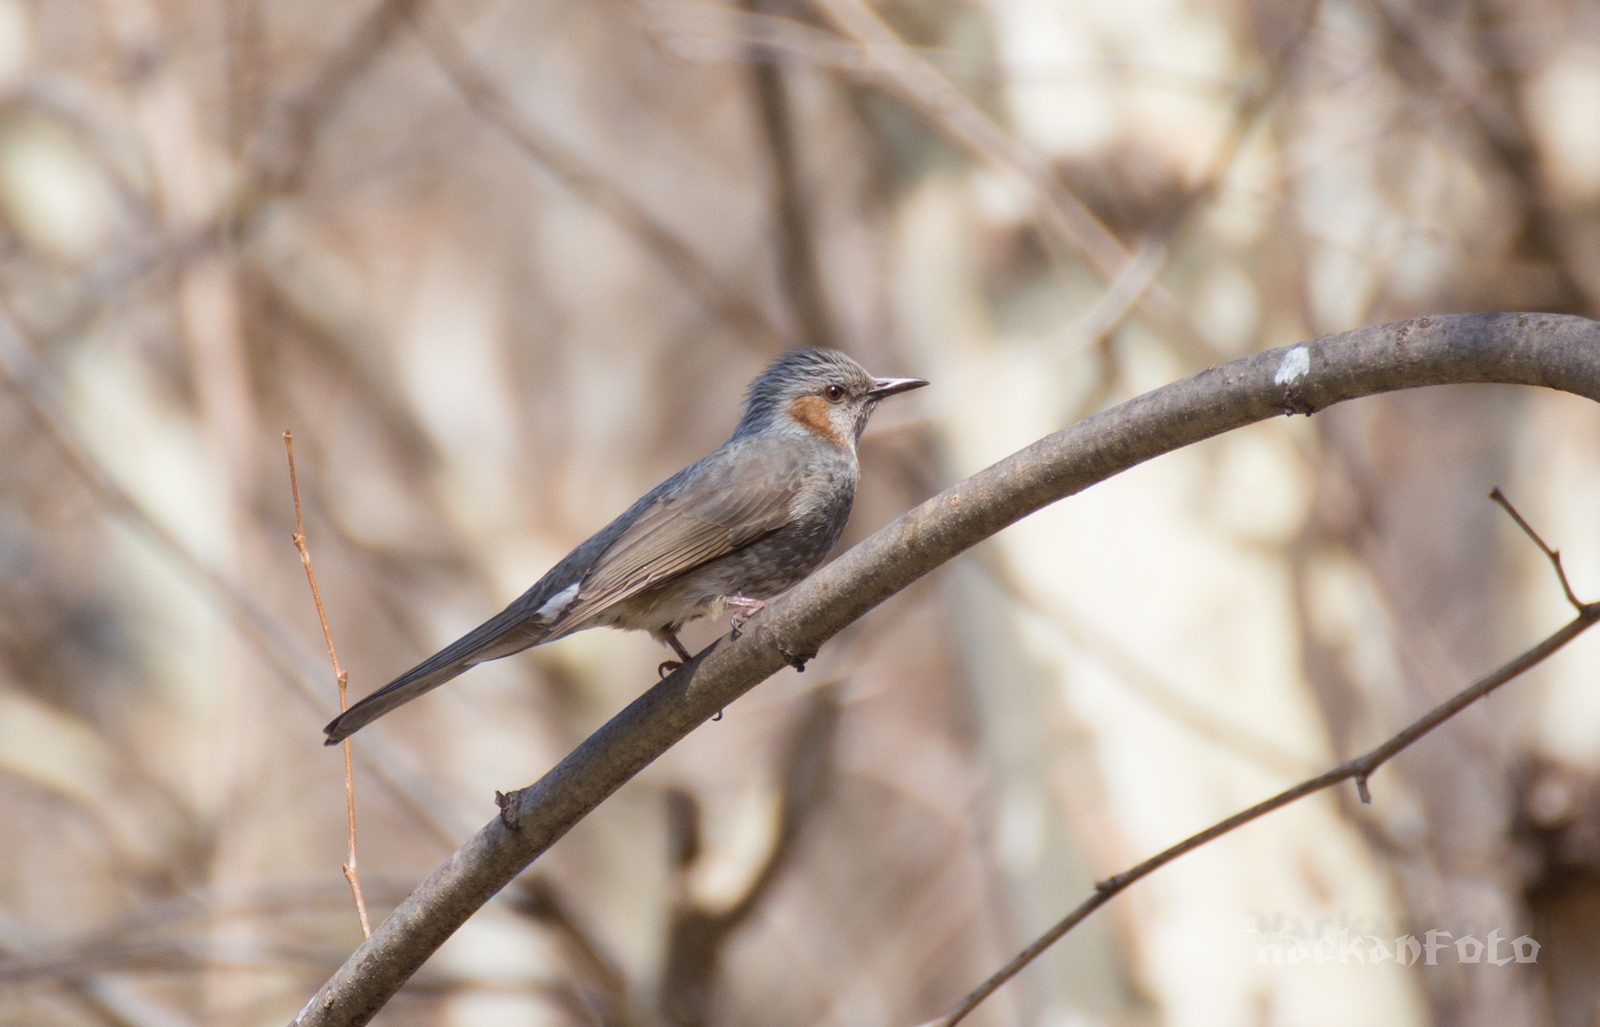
(501, 267)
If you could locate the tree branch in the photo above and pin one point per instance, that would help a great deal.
(1552, 351)
(1359, 769)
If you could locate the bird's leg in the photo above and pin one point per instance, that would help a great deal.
(744, 609)
(668, 666)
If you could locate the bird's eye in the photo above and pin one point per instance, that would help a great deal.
(834, 393)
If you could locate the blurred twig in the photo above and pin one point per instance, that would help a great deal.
(712, 34)
(351, 873)
(697, 935)
(104, 996)
(490, 102)
(285, 154)
(1064, 216)
(1139, 679)
(1358, 769)
(1422, 652)
(36, 386)
(797, 258)
(1124, 292)
(1499, 116)
(603, 989)
(160, 933)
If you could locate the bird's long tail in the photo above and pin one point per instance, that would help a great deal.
(510, 631)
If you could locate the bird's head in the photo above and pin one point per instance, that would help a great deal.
(818, 391)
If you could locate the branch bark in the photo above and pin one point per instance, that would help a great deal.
(1551, 351)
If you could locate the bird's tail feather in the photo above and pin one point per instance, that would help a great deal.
(510, 631)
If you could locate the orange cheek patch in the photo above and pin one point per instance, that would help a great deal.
(811, 413)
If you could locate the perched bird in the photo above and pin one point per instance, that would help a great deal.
(729, 532)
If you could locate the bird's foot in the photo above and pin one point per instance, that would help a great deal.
(670, 637)
(744, 609)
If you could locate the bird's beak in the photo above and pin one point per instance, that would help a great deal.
(882, 387)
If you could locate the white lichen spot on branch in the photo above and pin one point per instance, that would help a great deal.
(1296, 364)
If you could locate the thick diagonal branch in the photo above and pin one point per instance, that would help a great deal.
(1551, 351)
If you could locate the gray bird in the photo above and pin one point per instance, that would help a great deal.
(729, 532)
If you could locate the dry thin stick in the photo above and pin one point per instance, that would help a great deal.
(41, 394)
(1359, 768)
(350, 872)
(1554, 555)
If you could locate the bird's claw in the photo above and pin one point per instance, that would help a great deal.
(667, 667)
(744, 609)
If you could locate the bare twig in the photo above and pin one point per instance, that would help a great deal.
(1552, 351)
(351, 873)
(41, 393)
(1358, 769)
(1553, 555)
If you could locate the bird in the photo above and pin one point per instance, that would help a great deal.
(729, 532)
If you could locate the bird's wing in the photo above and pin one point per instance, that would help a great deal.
(730, 505)
(726, 502)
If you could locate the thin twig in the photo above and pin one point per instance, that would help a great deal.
(351, 874)
(42, 395)
(1554, 555)
(1359, 769)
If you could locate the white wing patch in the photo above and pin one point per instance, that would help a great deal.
(557, 604)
